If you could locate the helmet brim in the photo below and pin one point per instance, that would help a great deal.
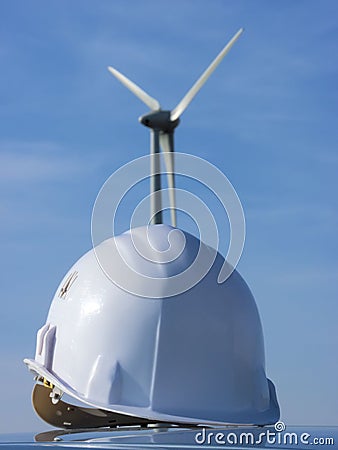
(147, 413)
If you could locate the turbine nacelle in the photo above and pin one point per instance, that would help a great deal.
(159, 120)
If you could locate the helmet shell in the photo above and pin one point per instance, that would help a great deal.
(195, 357)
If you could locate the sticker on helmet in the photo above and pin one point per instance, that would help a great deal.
(68, 284)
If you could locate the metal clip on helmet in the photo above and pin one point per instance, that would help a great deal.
(195, 358)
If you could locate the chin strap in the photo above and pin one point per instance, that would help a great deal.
(49, 407)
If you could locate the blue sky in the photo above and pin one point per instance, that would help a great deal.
(267, 118)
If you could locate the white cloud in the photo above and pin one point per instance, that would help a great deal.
(27, 162)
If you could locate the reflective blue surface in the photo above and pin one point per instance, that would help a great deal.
(164, 438)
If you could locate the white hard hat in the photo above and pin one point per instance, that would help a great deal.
(195, 357)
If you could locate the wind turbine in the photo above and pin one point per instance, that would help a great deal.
(162, 124)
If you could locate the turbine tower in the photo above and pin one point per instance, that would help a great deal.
(162, 124)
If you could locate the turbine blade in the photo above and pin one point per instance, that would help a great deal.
(178, 110)
(140, 93)
(167, 144)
